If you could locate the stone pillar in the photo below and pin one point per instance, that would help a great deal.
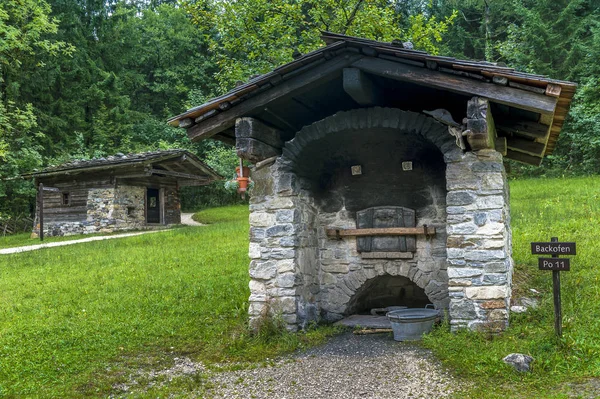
(479, 241)
(283, 272)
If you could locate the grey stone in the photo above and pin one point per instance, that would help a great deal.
(495, 267)
(281, 253)
(487, 167)
(462, 309)
(484, 255)
(285, 184)
(455, 272)
(287, 216)
(257, 234)
(496, 279)
(262, 270)
(462, 228)
(288, 241)
(456, 198)
(519, 361)
(518, 309)
(480, 219)
(280, 230)
(286, 280)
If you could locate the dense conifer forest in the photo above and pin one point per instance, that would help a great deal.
(89, 78)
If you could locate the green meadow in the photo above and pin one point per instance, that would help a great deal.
(78, 320)
(564, 367)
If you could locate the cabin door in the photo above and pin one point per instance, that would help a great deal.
(153, 205)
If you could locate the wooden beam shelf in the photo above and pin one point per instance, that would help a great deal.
(389, 231)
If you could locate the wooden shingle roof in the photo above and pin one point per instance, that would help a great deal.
(535, 106)
(176, 163)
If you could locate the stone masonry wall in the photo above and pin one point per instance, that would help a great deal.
(302, 276)
(479, 241)
(282, 250)
(128, 210)
(343, 271)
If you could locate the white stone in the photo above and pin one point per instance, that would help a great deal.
(262, 219)
(286, 304)
(257, 287)
(285, 265)
(280, 203)
(256, 308)
(263, 270)
(486, 292)
(254, 250)
(492, 244)
(518, 309)
(328, 279)
(490, 228)
(493, 181)
(454, 253)
(257, 298)
(335, 268)
(490, 202)
(462, 228)
(485, 255)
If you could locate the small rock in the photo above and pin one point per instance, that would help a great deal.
(527, 302)
(518, 309)
(519, 361)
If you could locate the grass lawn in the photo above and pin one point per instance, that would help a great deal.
(24, 239)
(76, 320)
(570, 210)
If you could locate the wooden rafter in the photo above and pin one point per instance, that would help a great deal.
(501, 94)
(298, 84)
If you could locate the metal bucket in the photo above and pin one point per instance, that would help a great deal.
(411, 324)
(384, 311)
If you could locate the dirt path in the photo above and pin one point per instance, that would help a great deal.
(27, 248)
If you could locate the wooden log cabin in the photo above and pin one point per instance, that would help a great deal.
(121, 192)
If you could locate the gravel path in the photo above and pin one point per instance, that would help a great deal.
(71, 242)
(186, 218)
(348, 366)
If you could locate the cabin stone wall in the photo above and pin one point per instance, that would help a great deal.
(103, 210)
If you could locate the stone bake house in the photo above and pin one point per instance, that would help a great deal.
(121, 192)
(379, 178)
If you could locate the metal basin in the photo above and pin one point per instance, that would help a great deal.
(411, 324)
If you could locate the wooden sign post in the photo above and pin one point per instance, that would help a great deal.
(555, 249)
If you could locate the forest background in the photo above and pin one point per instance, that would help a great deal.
(81, 79)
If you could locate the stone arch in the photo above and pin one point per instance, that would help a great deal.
(372, 118)
(347, 287)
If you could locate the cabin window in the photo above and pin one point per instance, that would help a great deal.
(65, 198)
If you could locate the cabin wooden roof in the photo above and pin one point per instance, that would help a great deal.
(176, 164)
(528, 109)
